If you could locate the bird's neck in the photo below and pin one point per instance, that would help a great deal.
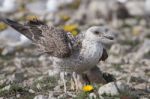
(89, 42)
(92, 49)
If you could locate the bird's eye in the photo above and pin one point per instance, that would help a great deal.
(96, 32)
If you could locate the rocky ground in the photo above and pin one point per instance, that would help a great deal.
(24, 74)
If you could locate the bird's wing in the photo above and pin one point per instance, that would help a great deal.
(77, 44)
(104, 55)
(49, 39)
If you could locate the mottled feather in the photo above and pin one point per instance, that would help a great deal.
(48, 39)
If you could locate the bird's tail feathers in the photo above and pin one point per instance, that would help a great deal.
(17, 26)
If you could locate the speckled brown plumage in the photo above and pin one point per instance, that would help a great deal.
(48, 39)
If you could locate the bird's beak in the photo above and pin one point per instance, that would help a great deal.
(108, 36)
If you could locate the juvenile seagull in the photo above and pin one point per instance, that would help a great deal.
(68, 55)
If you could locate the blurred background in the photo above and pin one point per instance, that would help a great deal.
(25, 74)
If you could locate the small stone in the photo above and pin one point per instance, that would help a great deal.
(51, 96)
(18, 95)
(144, 49)
(31, 91)
(6, 88)
(40, 97)
(114, 59)
(113, 88)
(92, 96)
(38, 86)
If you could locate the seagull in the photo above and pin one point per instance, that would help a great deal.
(8, 6)
(69, 54)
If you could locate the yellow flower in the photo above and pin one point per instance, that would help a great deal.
(31, 17)
(2, 26)
(87, 88)
(74, 33)
(70, 28)
(73, 29)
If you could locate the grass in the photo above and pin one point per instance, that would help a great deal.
(81, 95)
(46, 84)
(16, 89)
(117, 66)
(122, 95)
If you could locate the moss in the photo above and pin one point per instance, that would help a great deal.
(81, 95)
(117, 66)
(46, 84)
(2, 26)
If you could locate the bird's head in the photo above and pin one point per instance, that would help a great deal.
(99, 33)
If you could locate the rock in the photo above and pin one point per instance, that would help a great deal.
(18, 95)
(8, 6)
(135, 8)
(51, 96)
(99, 7)
(92, 96)
(31, 91)
(118, 49)
(113, 88)
(37, 7)
(6, 88)
(144, 49)
(114, 59)
(53, 5)
(45, 61)
(19, 76)
(40, 97)
(147, 7)
(128, 59)
(38, 86)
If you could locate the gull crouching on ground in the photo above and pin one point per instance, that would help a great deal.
(68, 55)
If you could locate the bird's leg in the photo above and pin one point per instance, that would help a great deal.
(85, 78)
(62, 76)
(77, 82)
(72, 84)
(74, 80)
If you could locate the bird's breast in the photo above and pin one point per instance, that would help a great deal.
(92, 53)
